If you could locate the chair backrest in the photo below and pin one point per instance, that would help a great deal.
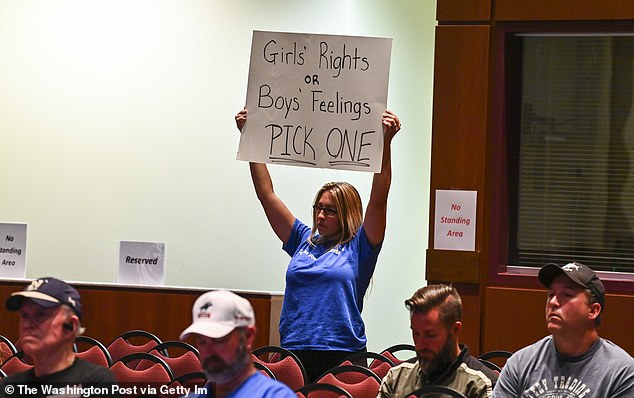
(318, 390)
(132, 341)
(435, 390)
(7, 348)
(92, 350)
(183, 358)
(175, 348)
(497, 357)
(390, 353)
(490, 365)
(14, 364)
(351, 373)
(262, 368)
(189, 381)
(157, 374)
(285, 365)
(360, 382)
(380, 364)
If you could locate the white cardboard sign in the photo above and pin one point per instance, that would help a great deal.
(316, 100)
(141, 263)
(455, 220)
(12, 250)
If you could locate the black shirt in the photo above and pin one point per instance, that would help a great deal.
(81, 379)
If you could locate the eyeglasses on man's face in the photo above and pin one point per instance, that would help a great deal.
(328, 211)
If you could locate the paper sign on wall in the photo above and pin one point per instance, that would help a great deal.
(141, 263)
(316, 100)
(455, 220)
(12, 250)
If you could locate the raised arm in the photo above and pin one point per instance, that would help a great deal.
(280, 217)
(375, 218)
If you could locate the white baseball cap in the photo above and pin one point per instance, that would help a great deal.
(217, 313)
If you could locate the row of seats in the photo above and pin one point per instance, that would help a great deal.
(288, 368)
(140, 356)
(358, 376)
(135, 357)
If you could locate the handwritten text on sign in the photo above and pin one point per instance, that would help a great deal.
(316, 100)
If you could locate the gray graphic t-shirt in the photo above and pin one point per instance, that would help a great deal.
(538, 371)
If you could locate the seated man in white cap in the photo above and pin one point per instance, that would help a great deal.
(50, 320)
(224, 331)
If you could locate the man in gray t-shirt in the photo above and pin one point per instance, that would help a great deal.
(573, 362)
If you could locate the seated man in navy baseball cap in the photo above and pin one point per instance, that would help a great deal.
(224, 331)
(50, 320)
(573, 361)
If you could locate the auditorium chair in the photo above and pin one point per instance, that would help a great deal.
(360, 382)
(92, 350)
(496, 357)
(15, 364)
(189, 381)
(390, 353)
(490, 365)
(379, 364)
(132, 341)
(156, 375)
(318, 390)
(262, 368)
(182, 357)
(7, 348)
(285, 365)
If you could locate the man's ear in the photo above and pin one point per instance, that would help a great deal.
(595, 311)
(456, 327)
(250, 336)
(73, 321)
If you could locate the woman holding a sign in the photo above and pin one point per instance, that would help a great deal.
(331, 263)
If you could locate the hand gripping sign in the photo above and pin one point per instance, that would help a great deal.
(316, 100)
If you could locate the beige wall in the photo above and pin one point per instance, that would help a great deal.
(116, 120)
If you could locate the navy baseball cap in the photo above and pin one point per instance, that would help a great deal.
(580, 274)
(47, 292)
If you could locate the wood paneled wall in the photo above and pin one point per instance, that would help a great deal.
(109, 311)
(563, 10)
(460, 68)
(467, 114)
(515, 318)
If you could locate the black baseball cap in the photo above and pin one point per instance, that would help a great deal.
(47, 292)
(579, 273)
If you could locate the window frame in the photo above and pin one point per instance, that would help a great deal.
(503, 150)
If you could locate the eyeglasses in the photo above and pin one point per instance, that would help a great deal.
(327, 210)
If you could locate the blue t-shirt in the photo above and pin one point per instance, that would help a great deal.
(256, 386)
(324, 292)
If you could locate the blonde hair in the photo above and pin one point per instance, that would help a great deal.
(349, 210)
